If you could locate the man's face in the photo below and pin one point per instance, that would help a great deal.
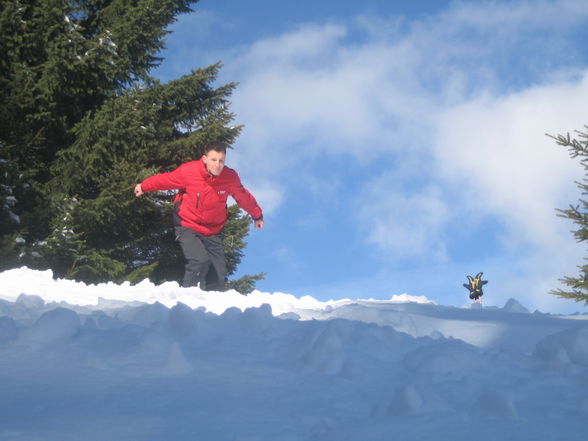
(215, 162)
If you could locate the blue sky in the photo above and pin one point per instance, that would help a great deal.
(396, 147)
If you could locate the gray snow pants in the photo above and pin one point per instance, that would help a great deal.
(205, 259)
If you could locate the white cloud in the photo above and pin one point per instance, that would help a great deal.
(340, 97)
(403, 225)
(287, 49)
(532, 15)
(268, 194)
(494, 150)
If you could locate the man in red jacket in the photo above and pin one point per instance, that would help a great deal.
(201, 212)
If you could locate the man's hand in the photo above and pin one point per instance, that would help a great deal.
(138, 190)
(259, 224)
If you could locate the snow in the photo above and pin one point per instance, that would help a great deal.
(146, 362)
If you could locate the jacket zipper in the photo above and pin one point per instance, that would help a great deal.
(198, 200)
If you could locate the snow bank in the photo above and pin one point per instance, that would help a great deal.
(135, 362)
(569, 346)
(41, 283)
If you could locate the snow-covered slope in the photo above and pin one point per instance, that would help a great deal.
(144, 362)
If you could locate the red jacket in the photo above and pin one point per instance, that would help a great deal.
(202, 196)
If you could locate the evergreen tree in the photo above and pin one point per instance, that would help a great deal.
(81, 122)
(578, 148)
(59, 60)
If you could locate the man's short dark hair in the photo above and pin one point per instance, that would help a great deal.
(217, 146)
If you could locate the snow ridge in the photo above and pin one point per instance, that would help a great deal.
(286, 369)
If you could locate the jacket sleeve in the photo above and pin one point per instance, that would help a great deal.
(173, 180)
(245, 200)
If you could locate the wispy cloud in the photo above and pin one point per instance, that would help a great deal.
(404, 224)
(495, 153)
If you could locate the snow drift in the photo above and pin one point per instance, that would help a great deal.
(151, 362)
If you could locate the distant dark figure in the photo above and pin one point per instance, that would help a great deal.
(475, 287)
